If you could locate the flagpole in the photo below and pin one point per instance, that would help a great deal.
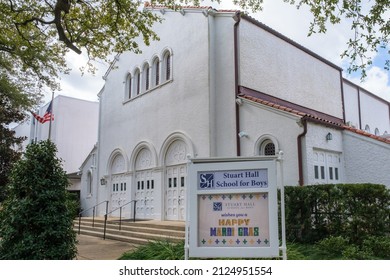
(52, 97)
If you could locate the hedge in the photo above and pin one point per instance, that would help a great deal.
(356, 211)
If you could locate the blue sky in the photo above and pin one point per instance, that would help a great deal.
(280, 16)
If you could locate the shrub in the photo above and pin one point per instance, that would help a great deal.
(333, 247)
(354, 211)
(36, 221)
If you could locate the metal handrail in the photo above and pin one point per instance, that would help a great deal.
(93, 215)
(120, 215)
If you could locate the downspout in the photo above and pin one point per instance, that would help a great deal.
(359, 109)
(98, 165)
(342, 96)
(237, 18)
(300, 156)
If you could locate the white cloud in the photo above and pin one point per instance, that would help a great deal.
(83, 86)
(377, 82)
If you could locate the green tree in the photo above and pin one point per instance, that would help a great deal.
(369, 21)
(13, 104)
(37, 34)
(36, 218)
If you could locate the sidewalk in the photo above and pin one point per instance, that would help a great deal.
(96, 248)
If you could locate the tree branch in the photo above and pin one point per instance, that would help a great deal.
(63, 6)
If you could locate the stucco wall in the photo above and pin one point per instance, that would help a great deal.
(224, 130)
(273, 66)
(373, 111)
(180, 106)
(315, 141)
(74, 129)
(351, 105)
(88, 200)
(261, 122)
(366, 160)
(174, 106)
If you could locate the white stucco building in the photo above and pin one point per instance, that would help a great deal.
(221, 84)
(74, 130)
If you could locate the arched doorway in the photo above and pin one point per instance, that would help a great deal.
(175, 181)
(144, 185)
(118, 184)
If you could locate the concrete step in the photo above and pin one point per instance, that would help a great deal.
(132, 240)
(139, 232)
(172, 225)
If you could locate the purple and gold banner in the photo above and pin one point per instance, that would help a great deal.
(233, 220)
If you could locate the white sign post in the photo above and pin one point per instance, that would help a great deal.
(233, 209)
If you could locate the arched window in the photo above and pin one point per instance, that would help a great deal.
(137, 82)
(156, 72)
(128, 86)
(377, 132)
(167, 66)
(145, 77)
(267, 148)
(266, 145)
(367, 128)
(89, 183)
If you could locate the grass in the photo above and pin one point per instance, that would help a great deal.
(164, 250)
(156, 250)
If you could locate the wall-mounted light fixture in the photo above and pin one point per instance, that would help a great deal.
(103, 181)
(242, 134)
(329, 136)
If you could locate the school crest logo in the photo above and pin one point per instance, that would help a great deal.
(206, 180)
(217, 206)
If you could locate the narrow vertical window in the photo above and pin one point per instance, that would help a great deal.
(168, 67)
(89, 183)
(323, 172)
(155, 72)
(137, 83)
(147, 80)
(316, 173)
(145, 77)
(331, 173)
(336, 173)
(128, 86)
(157, 69)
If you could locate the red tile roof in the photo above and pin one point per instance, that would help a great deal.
(289, 107)
(365, 133)
(149, 5)
(314, 118)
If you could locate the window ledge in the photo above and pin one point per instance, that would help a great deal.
(146, 92)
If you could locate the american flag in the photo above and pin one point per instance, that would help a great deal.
(47, 116)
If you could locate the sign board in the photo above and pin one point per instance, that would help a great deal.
(233, 208)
